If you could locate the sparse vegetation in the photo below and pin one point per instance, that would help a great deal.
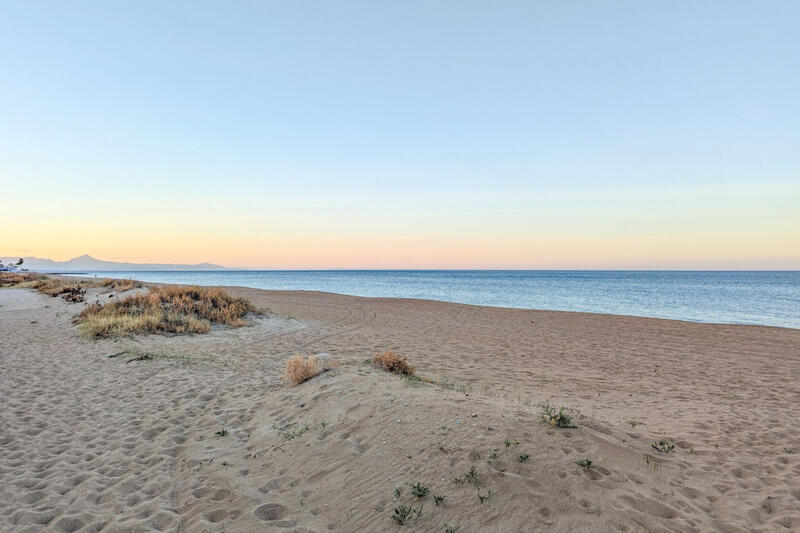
(221, 433)
(120, 285)
(523, 457)
(472, 476)
(443, 382)
(71, 291)
(663, 446)
(412, 380)
(419, 490)
(586, 463)
(438, 500)
(634, 423)
(484, 497)
(290, 434)
(510, 443)
(165, 310)
(391, 362)
(451, 529)
(560, 419)
(299, 370)
(403, 512)
(14, 279)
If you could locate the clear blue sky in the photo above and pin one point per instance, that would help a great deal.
(295, 126)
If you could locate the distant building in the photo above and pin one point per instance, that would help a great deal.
(12, 268)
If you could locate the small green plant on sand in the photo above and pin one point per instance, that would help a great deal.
(221, 433)
(523, 457)
(510, 443)
(438, 500)
(418, 489)
(560, 419)
(634, 423)
(663, 446)
(451, 529)
(586, 463)
(397, 492)
(401, 514)
(294, 433)
(788, 450)
(472, 476)
(484, 497)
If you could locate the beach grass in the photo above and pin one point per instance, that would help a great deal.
(165, 310)
(120, 285)
(71, 291)
(14, 279)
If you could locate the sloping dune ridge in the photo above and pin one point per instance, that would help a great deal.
(204, 436)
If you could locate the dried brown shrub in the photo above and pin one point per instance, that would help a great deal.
(91, 309)
(169, 309)
(120, 285)
(71, 291)
(391, 362)
(299, 370)
(11, 279)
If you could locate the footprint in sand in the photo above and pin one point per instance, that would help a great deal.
(274, 513)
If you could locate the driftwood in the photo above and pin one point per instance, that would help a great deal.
(73, 293)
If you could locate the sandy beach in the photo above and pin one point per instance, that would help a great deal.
(206, 436)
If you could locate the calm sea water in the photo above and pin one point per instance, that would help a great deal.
(767, 298)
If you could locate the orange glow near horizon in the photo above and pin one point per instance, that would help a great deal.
(745, 230)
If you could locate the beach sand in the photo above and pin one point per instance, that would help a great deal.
(90, 442)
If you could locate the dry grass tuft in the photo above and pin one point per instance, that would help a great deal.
(391, 362)
(71, 291)
(91, 309)
(12, 279)
(164, 310)
(299, 371)
(120, 285)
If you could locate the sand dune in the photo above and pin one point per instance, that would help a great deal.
(205, 437)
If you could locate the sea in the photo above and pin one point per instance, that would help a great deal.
(769, 298)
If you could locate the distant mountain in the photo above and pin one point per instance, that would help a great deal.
(86, 262)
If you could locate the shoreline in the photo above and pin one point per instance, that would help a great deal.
(304, 291)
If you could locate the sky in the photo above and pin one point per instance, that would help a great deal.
(414, 134)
